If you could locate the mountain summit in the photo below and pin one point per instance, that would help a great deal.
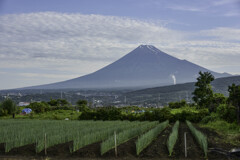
(144, 66)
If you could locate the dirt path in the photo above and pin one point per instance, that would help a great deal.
(193, 149)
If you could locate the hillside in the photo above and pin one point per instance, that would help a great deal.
(176, 92)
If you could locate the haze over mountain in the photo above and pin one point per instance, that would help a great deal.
(144, 66)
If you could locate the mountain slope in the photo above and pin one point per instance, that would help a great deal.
(144, 66)
(177, 92)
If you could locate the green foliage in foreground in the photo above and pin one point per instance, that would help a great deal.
(102, 134)
(230, 131)
(17, 133)
(200, 137)
(222, 126)
(125, 135)
(173, 138)
(148, 137)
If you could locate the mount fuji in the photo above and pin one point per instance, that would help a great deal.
(145, 66)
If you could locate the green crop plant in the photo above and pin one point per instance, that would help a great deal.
(47, 133)
(100, 135)
(172, 139)
(200, 137)
(126, 135)
(145, 139)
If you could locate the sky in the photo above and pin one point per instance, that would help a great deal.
(45, 41)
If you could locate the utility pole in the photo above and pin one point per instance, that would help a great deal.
(159, 98)
(93, 102)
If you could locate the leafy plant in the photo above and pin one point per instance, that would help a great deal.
(200, 137)
(126, 135)
(144, 140)
(172, 139)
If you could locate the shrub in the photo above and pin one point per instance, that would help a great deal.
(217, 99)
(110, 113)
(162, 114)
(191, 115)
(90, 115)
(8, 107)
(227, 112)
(39, 107)
(210, 118)
(180, 104)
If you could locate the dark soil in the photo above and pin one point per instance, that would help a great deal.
(90, 151)
(193, 149)
(156, 150)
(28, 150)
(125, 150)
(215, 141)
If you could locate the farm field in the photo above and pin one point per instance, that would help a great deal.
(38, 139)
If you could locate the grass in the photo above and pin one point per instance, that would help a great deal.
(173, 138)
(17, 133)
(145, 139)
(126, 135)
(230, 131)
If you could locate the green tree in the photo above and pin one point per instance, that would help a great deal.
(217, 100)
(63, 102)
(81, 102)
(234, 98)
(53, 102)
(39, 107)
(82, 105)
(58, 102)
(203, 93)
(227, 112)
(179, 104)
(8, 106)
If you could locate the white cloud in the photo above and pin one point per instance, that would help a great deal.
(232, 14)
(225, 2)
(186, 8)
(65, 45)
(224, 34)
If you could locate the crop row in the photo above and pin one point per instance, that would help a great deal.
(200, 137)
(148, 137)
(45, 134)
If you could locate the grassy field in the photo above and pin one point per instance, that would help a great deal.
(230, 131)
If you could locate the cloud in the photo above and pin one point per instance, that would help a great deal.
(186, 8)
(76, 44)
(232, 14)
(73, 36)
(223, 33)
(225, 2)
